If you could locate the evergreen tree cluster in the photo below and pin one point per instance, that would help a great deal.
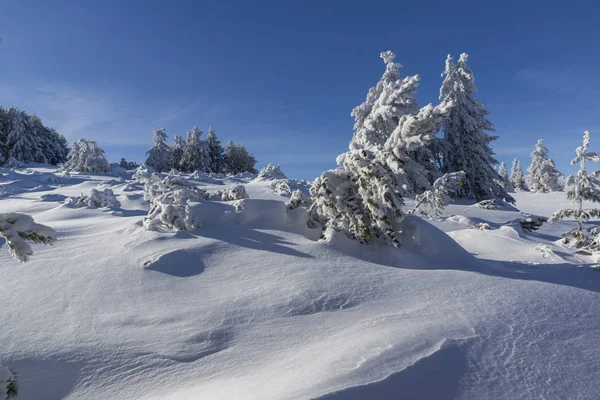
(196, 154)
(24, 138)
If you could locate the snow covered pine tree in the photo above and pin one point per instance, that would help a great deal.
(364, 197)
(86, 156)
(159, 155)
(517, 180)
(215, 152)
(586, 187)
(195, 153)
(504, 177)
(465, 129)
(238, 159)
(542, 176)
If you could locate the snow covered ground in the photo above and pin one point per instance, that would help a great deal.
(248, 307)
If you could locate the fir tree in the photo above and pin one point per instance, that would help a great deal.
(465, 131)
(215, 152)
(586, 187)
(517, 180)
(238, 159)
(177, 151)
(542, 175)
(195, 152)
(86, 156)
(504, 178)
(159, 155)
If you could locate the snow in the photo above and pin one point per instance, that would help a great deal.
(248, 307)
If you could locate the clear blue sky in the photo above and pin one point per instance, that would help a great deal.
(282, 76)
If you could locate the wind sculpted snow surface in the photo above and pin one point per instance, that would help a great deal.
(247, 307)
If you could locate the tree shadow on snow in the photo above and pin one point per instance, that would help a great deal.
(253, 239)
(566, 274)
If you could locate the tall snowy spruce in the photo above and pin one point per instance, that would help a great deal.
(364, 197)
(238, 159)
(585, 187)
(177, 151)
(195, 152)
(215, 152)
(505, 180)
(465, 132)
(159, 155)
(517, 179)
(542, 175)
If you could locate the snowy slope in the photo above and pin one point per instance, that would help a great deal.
(248, 308)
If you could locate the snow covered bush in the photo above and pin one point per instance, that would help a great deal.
(270, 172)
(86, 156)
(482, 226)
(437, 198)
(143, 173)
(465, 131)
(238, 159)
(364, 197)
(586, 187)
(18, 229)
(517, 180)
(96, 199)
(299, 199)
(169, 209)
(235, 192)
(281, 187)
(9, 387)
(159, 155)
(542, 176)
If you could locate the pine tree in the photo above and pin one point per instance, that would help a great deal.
(23, 139)
(159, 155)
(238, 159)
(542, 175)
(586, 187)
(517, 180)
(177, 151)
(465, 132)
(215, 152)
(504, 178)
(195, 152)
(364, 197)
(86, 156)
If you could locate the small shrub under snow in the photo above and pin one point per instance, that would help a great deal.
(169, 209)
(281, 187)
(299, 199)
(96, 199)
(482, 226)
(143, 173)
(235, 192)
(270, 172)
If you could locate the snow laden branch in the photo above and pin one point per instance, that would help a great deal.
(19, 229)
(9, 388)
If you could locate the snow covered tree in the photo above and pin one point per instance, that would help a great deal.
(18, 229)
(23, 140)
(238, 159)
(364, 197)
(195, 153)
(86, 156)
(517, 180)
(159, 155)
(504, 178)
(177, 151)
(9, 387)
(542, 175)
(465, 131)
(586, 187)
(215, 152)
(437, 198)
(270, 172)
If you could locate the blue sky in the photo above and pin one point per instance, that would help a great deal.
(282, 77)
